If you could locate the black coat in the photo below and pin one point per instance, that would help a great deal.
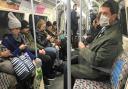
(74, 20)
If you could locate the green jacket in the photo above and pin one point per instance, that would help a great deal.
(105, 48)
(96, 60)
(30, 42)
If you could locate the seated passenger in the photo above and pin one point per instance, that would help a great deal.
(50, 31)
(93, 31)
(95, 61)
(7, 77)
(44, 39)
(47, 66)
(55, 27)
(15, 42)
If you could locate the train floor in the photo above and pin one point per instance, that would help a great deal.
(55, 84)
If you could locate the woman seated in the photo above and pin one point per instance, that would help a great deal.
(7, 77)
(43, 38)
(16, 43)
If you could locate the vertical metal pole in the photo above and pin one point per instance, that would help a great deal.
(126, 14)
(80, 20)
(57, 18)
(87, 14)
(34, 31)
(65, 31)
(69, 43)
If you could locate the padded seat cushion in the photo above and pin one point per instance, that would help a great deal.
(120, 72)
(126, 85)
(89, 84)
(7, 81)
(118, 77)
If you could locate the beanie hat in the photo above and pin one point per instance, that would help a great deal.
(13, 21)
(24, 24)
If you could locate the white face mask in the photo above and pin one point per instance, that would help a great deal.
(104, 21)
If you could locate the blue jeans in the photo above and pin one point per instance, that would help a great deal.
(52, 52)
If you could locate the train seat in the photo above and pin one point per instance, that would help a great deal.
(118, 77)
(126, 85)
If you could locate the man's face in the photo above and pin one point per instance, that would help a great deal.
(106, 12)
(25, 30)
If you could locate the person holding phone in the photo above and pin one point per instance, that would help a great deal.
(93, 31)
(14, 41)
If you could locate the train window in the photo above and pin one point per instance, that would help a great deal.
(123, 21)
(4, 18)
(123, 17)
(36, 17)
(127, 19)
(4, 21)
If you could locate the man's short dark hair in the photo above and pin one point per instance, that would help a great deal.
(114, 7)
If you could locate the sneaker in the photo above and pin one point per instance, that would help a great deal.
(51, 77)
(46, 82)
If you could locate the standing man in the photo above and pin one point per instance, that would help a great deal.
(74, 24)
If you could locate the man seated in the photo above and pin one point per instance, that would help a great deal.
(96, 60)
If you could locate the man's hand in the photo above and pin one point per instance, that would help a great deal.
(81, 45)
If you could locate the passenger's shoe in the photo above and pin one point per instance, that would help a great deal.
(46, 82)
(51, 77)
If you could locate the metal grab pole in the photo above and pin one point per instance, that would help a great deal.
(80, 19)
(65, 31)
(57, 19)
(87, 15)
(69, 44)
(34, 31)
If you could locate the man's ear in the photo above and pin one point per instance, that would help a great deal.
(114, 17)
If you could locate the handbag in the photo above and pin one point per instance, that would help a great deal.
(23, 66)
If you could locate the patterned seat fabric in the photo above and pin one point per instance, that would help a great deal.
(88, 84)
(4, 83)
(118, 77)
(126, 84)
(120, 72)
(7, 81)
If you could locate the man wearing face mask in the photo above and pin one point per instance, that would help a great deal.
(95, 60)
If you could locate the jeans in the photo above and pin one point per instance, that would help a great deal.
(52, 52)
